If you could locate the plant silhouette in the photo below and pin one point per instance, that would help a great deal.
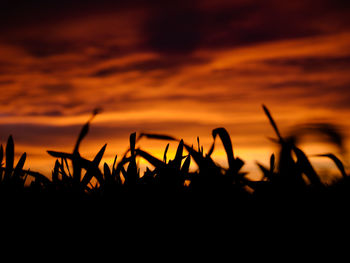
(290, 175)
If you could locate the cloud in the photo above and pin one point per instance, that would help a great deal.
(314, 64)
(169, 28)
(181, 68)
(174, 29)
(156, 64)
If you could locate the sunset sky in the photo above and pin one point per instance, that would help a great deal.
(181, 68)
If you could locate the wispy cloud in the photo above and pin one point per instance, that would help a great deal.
(181, 68)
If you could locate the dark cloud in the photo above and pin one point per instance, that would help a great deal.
(44, 47)
(163, 63)
(23, 12)
(183, 28)
(174, 29)
(46, 113)
(40, 135)
(53, 135)
(313, 64)
(58, 88)
(6, 82)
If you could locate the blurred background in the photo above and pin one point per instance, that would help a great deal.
(181, 68)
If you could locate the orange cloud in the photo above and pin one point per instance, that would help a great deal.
(164, 70)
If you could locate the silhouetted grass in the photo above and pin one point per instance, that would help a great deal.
(289, 177)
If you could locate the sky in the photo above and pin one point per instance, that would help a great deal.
(176, 67)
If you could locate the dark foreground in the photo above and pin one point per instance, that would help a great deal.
(289, 185)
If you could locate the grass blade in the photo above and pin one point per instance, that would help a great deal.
(211, 149)
(151, 159)
(178, 156)
(19, 166)
(186, 166)
(132, 143)
(90, 172)
(114, 168)
(337, 162)
(306, 167)
(60, 154)
(85, 129)
(267, 112)
(266, 172)
(1, 155)
(165, 153)
(107, 172)
(272, 163)
(226, 141)
(10, 155)
(99, 155)
(55, 172)
(158, 136)
(38, 176)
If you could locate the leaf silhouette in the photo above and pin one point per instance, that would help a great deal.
(178, 156)
(107, 172)
(268, 114)
(132, 143)
(99, 155)
(186, 166)
(85, 129)
(20, 164)
(55, 172)
(337, 162)
(10, 155)
(165, 153)
(151, 159)
(272, 163)
(226, 141)
(1, 154)
(158, 136)
(306, 167)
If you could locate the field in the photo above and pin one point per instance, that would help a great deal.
(289, 178)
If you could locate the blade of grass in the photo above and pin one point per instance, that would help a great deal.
(62, 171)
(211, 149)
(268, 114)
(165, 153)
(10, 154)
(86, 164)
(226, 141)
(158, 136)
(272, 163)
(1, 154)
(18, 169)
(306, 167)
(90, 172)
(84, 131)
(266, 172)
(178, 156)
(55, 172)
(114, 166)
(99, 155)
(186, 165)
(60, 154)
(337, 162)
(38, 176)
(132, 143)
(151, 159)
(64, 162)
(198, 144)
(107, 171)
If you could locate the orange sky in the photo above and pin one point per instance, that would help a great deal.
(180, 68)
